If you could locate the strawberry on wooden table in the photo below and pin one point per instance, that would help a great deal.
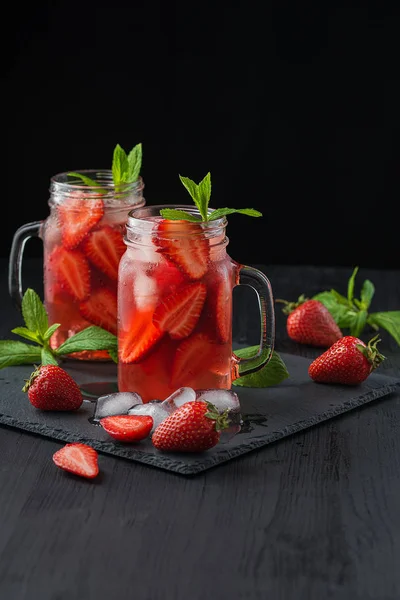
(194, 427)
(348, 361)
(79, 216)
(51, 388)
(79, 459)
(128, 428)
(310, 322)
(179, 312)
(104, 248)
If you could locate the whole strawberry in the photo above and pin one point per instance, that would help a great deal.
(51, 388)
(194, 427)
(348, 361)
(310, 322)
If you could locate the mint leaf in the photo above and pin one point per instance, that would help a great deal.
(273, 373)
(91, 338)
(222, 212)
(113, 352)
(134, 164)
(177, 215)
(359, 323)
(47, 335)
(389, 320)
(34, 313)
(350, 286)
(204, 191)
(17, 353)
(367, 293)
(47, 357)
(86, 180)
(340, 312)
(26, 333)
(119, 164)
(193, 190)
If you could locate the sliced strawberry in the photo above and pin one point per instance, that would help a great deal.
(222, 312)
(78, 217)
(167, 275)
(179, 312)
(104, 248)
(101, 309)
(70, 268)
(128, 428)
(139, 338)
(185, 244)
(78, 459)
(198, 354)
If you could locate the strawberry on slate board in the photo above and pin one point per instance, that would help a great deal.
(51, 388)
(78, 459)
(347, 361)
(128, 428)
(194, 427)
(310, 322)
(179, 312)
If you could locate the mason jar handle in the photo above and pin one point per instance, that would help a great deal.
(261, 285)
(21, 236)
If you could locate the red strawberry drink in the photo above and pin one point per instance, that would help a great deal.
(175, 305)
(83, 243)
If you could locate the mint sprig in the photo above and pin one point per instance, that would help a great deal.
(353, 313)
(37, 330)
(125, 168)
(273, 373)
(201, 195)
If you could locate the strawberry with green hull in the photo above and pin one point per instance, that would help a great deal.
(194, 427)
(310, 322)
(51, 388)
(348, 361)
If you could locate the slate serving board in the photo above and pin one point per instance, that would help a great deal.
(268, 414)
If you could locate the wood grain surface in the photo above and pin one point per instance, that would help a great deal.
(314, 516)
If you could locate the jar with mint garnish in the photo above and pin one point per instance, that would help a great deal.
(83, 244)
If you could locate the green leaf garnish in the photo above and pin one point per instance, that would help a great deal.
(87, 180)
(201, 195)
(273, 373)
(352, 313)
(126, 168)
(37, 330)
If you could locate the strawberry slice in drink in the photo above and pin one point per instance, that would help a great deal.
(101, 309)
(70, 268)
(185, 244)
(78, 217)
(104, 248)
(179, 312)
(139, 338)
(198, 354)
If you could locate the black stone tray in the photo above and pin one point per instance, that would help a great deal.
(268, 414)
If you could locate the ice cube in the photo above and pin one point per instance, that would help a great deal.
(116, 404)
(180, 397)
(155, 409)
(144, 290)
(221, 399)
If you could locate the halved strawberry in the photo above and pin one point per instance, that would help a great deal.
(196, 354)
(128, 428)
(101, 309)
(104, 248)
(167, 275)
(185, 244)
(223, 312)
(78, 459)
(139, 338)
(78, 216)
(70, 268)
(180, 311)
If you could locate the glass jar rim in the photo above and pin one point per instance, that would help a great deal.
(144, 219)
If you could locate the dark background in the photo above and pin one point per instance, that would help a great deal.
(294, 109)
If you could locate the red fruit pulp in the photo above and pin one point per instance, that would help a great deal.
(173, 329)
(79, 283)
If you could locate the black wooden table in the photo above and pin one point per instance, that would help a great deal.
(314, 516)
